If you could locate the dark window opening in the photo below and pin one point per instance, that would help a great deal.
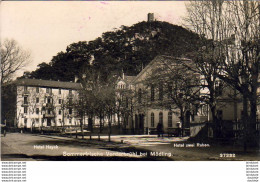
(170, 119)
(37, 110)
(139, 95)
(25, 100)
(152, 119)
(152, 93)
(220, 114)
(25, 110)
(169, 92)
(161, 91)
(161, 117)
(126, 102)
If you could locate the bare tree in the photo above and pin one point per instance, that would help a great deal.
(205, 18)
(124, 106)
(242, 64)
(97, 98)
(13, 58)
(232, 32)
(175, 86)
(80, 105)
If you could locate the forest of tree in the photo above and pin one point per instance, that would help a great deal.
(127, 49)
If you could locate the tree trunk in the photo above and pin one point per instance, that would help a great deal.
(109, 127)
(63, 122)
(253, 118)
(90, 124)
(100, 123)
(245, 122)
(81, 127)
(253, 115)
(215, 121)
(119, 126)
(182, 122)
(212, 105)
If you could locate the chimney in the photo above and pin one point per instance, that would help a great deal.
(76, 78)
(123, 76)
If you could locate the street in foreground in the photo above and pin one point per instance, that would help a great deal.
(27, 147)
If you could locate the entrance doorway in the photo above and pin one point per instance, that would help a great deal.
(139, 124)
(48, 122)
(187, 119)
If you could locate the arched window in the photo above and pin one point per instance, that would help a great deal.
(152, 119)
(161, 117)
(139, 95)
(169, 119)
(152, 92)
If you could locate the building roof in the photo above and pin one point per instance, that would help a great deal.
(129, 79)
(158, 59)
(47, 83)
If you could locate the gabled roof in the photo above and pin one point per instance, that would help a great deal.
(47, 83)
(129, 79)
(156, 60)
(126, 79)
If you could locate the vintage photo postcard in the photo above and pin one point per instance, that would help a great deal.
(130, 80)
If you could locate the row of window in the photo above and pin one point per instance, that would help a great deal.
(48, 90)
(160, 94)
(161, 119)
(37, 120)
(49, 111)
(49, 100)
(121, 86)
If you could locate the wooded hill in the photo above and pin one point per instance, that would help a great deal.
(127, 49)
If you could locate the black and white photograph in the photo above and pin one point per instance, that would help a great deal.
(130, 80)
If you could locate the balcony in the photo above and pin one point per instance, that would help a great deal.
(24, 104)
(47, 105)
(26, 93)
(48, 94)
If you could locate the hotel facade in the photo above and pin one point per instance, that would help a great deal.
(147, 114)
(43, 103)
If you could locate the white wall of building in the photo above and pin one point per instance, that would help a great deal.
(38, 100)
(175, 118)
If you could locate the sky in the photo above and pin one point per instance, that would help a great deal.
(46, 28)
